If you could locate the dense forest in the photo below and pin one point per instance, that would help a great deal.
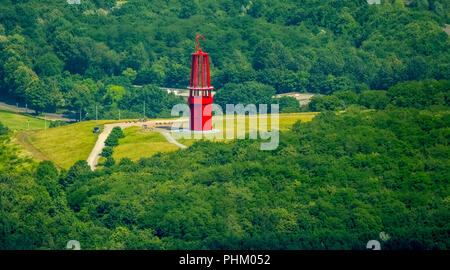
(375, 159)
(54, 55)
(416, 94)
(333, 183)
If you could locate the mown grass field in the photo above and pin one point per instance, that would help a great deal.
(66, 144)
(11, 152)
(285, 122)
(16, 121)
(137, 144)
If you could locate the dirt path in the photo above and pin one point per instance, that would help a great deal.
(170, 138)
(94, 156)
(22, 138)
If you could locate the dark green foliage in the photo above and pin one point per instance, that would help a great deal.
(420, 94)
(48, 65)
(127, 165)
(333, 183)
(312, 46)
(114, 136)
(47, 176)
(416, 94)
(288, 104)
(33, 213)
(107, 151)
(80, 171)
(109, 161)
(76, 198)
(374, 99)
(58, 123)
(39, 95)
(347, 97)
(245, 93)
(3, 129)
(112, 140)
(325, 103)
(117, 131)
(158, 103)
(46, 171)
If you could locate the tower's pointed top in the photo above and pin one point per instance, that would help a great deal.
(198, 43)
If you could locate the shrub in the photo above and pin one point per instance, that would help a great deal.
(107, 151)
(58, 123)
(288, 104)
(47, 175)
(78, 172)
(325, 103)
(109, 162)
(3, 129)
(112, 140)
(118, 132)
(374, 99)
(114, 136)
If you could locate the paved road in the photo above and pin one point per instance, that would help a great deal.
(94, 156)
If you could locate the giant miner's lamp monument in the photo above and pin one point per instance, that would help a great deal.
(200, 98)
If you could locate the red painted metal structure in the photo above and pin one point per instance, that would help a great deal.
(200, 98)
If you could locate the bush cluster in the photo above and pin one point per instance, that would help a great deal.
(3, 129)
(110, 143)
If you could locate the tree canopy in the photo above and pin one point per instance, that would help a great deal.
(333, 183)
(77, 54)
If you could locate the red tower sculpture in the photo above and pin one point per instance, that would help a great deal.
(200, 98)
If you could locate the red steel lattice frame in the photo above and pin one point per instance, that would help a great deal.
(200, 98)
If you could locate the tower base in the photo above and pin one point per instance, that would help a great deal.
(189, 131)
(201, 113)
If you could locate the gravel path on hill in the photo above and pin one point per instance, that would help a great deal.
(170, 138)
(94, 156)
(22, 138)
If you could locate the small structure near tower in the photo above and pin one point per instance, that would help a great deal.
(200, 99)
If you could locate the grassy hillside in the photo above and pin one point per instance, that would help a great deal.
(286, 120)
(17, 121)
(67, 144)
(138, 144)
